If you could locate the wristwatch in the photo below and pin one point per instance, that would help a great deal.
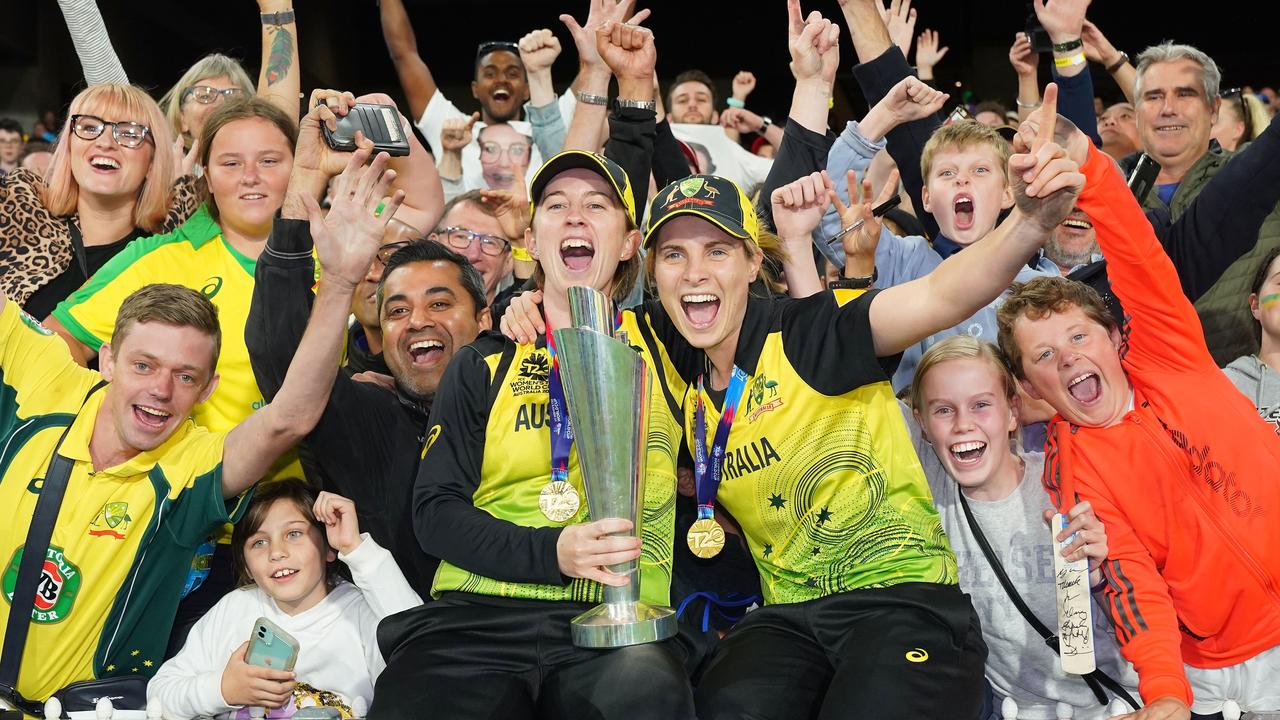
(589, 99)
(620, 103)
(857, 283)
(765, 122)
(277, 18)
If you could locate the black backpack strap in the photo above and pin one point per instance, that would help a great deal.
(1096, 680)
(33, 552)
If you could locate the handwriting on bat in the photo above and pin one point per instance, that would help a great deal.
(1074, 634)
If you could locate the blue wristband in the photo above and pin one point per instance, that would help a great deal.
(735, 102)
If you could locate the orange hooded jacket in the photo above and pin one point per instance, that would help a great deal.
(1187, 484)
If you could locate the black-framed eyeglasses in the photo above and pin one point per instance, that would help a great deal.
(127, 134)
(386, 251)
(461, 239)
(1243, 106)
(494, 46)
(491, 150)
(206, 95)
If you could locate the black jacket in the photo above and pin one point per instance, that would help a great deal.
(368, 441)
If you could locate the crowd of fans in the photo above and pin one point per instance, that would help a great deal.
(256, 383)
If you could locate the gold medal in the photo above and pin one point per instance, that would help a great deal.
(559, 501)
(706, 538)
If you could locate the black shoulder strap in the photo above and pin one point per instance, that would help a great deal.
(77, 245)
(33, 552)
(500, 372)
(1096, 680)
(646, 335)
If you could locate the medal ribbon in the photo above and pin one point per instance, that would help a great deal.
(707, 471)
(558, 411)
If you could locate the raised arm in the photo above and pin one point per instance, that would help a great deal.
(1046, 183)
(629, 52)
(280, 79)
(813, 42)
(1063, 20)
(538, 51)
(870, 36)
(1100, 50)
(1221, 224)
(346, 240)
(314, 163)
(587, 129)
(98, 58)
(415, 77)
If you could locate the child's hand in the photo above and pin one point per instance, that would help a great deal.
(340, 524)
(245, 684)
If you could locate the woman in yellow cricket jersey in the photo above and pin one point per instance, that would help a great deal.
(796, 433)
(514, 571)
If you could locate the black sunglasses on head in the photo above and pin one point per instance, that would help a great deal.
(1245, 115)
(494, 46)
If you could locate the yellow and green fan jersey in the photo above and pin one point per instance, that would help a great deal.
(488, 452)
(819, 470)
(124, 538)
(197, 256)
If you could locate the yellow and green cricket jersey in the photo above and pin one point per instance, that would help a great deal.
(819, 470)
(197, 256)
(490, 443)
(125, 535)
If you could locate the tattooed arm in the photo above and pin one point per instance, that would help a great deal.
(279, 81)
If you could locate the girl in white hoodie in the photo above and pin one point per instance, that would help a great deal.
(284, 546)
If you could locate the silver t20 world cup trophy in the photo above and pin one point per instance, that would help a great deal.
(607, 390)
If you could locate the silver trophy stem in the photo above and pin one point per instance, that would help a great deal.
(607, 389)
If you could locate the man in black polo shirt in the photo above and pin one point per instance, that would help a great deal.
(367, 444)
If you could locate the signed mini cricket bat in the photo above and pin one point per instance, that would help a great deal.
(1075, 611)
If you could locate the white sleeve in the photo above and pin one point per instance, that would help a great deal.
(379, 578)
(754, 169)
(438, 110)
(98, 58)
(190, 683)
(568, 105)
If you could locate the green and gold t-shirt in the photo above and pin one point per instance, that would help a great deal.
(125, 535)
(197, 256)
(488, 456)
(819, 470)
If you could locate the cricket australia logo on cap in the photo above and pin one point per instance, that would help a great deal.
(55, 592)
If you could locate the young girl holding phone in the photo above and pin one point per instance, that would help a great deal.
(285, 550)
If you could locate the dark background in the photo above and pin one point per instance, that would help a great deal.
(341, 43)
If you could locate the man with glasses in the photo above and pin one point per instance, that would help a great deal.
(10, 145)
(472, 229)
(364, 337)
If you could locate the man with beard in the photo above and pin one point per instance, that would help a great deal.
(364, 337)
(694, 121)
(429, 302)
(1072, 244)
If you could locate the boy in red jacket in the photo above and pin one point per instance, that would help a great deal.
(1173, 458)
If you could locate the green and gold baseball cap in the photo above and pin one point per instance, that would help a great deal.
(710, 197)
(599, 164)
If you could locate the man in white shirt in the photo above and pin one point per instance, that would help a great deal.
(500, 86)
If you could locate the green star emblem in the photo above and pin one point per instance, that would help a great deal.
(823, 515)
(776, 502)
(815, 550)
(768, 550)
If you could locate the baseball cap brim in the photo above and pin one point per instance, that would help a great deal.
(579, 159)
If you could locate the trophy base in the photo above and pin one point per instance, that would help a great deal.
(611, 625)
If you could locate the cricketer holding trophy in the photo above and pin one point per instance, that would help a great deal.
(500, 497)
